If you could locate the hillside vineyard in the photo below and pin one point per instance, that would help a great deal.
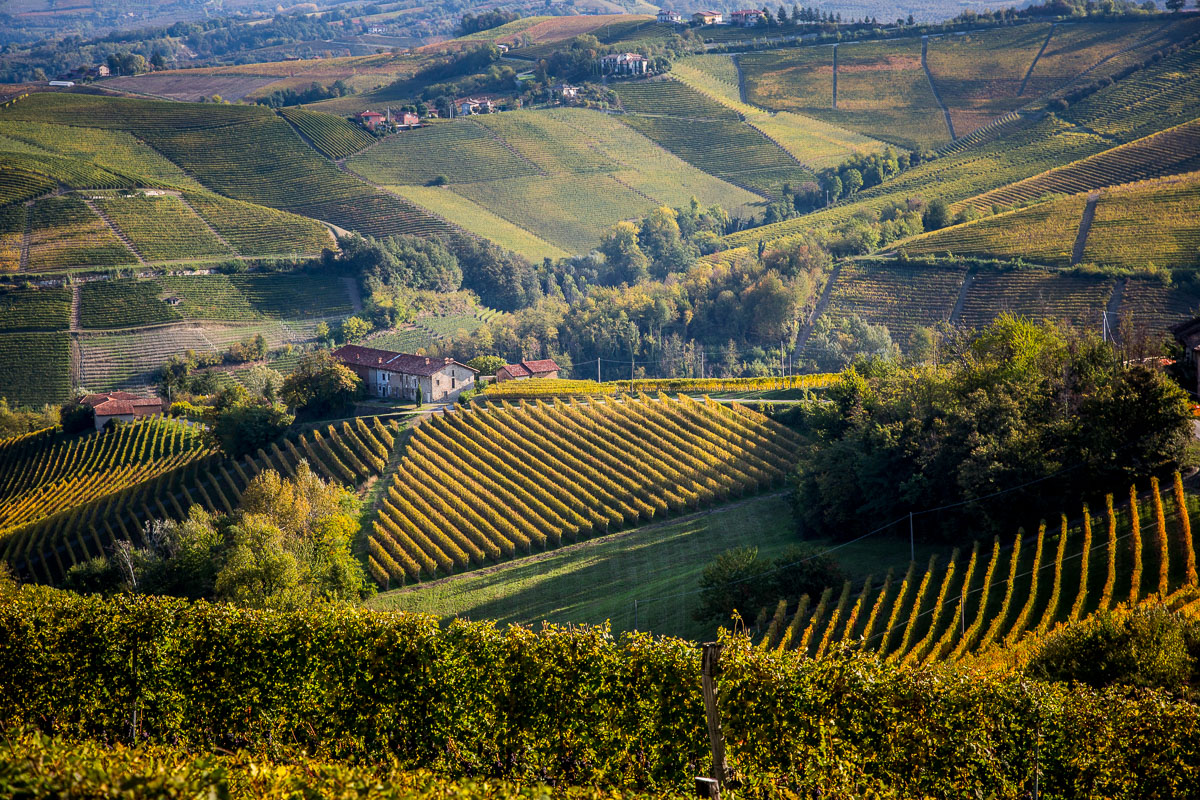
(485, 483)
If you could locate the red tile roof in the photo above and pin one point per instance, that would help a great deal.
(94, 400)
(393, 362)
(540, 367)
(120, 406)
(516, 370)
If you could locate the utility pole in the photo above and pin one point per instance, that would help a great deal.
(597, 369)
(912, 538)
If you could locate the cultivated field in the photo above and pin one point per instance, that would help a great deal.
(1043, 234)
(1154, 223)
(901, 298)
(332, 135)
(45, 473)
(584, 469)
(41, 309)
(161, 228)
(66, 233)
(1003, 592)
(1073, 299)
(345, 453)
(35, 368)
(473, 217)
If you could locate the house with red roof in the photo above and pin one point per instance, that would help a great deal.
(370, 119)
(121, 406)
(542, 368)
(400, 375)
(747, 18)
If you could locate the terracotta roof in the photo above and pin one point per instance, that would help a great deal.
(393, 362)
(540, 367)
(516, 370)
(117, 407)
(94, 400)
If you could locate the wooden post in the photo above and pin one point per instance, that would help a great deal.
(710, 668)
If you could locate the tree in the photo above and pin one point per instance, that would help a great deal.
(243, 429)
(77, 418)
(262, 382)
(625, 261)
(739, 580)
(936, 215)
(852, 181)
(320, 385)
(321, 332)
(353, 329)
(487, 365)
(1175, 5)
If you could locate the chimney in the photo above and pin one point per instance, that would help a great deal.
(379, 359)
(427, 362)
(448, 359)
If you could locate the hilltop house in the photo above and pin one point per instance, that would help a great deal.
(670, 17)
(544, 368)
(370, 119)
(566, 91)
(121, 406)
(474, 105)
(747, 18)
(399, 375)
(624, 64)
(708, 17)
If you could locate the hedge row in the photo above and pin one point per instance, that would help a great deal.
(571, 705)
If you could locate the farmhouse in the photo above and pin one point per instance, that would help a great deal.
(474, 105)
(566, 91)
(624, 64)
(747, 18)
(1188, 335)
(120, 405)
(708, 17)
(543, 368)
(370, 119)
(400, 375)
(670, 17)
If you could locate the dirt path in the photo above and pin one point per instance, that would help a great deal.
(956, 314)
(835, 77)
(75, 289)
(933, 87)
(355, 294)
(27, 237)
(571, 548)
(1085, 225)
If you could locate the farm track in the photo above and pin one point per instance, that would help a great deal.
(26, 237)
(75, 290)
(956, 314)
(1114, 302)
(1032, 66)
(1085, 225)
(120, 234)
(737, 66)
(500, 140)
(355, 295)
(932, 87)
(835, 74)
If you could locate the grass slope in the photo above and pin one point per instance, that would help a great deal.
(655, 561)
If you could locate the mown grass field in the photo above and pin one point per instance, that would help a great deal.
(655, 561)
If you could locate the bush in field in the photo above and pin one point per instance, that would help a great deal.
(1150, 646)
(739, 580)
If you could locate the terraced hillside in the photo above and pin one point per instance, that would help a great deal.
(1160, 96)
(35, 368)
(1077, 300)
(574, 469)
(46, 472)
(1001, 593)
(243, 152)
(900, 297)
(347, 453)
(1137, 225)
(548, 181)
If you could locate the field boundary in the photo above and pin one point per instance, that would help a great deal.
(26, 238)
(1036, 58)
(964, 287)
(120, 234)
(932, 87)
(206, 224)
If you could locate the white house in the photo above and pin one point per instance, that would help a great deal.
(399, 375)
(121, 406)
(624, 64)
